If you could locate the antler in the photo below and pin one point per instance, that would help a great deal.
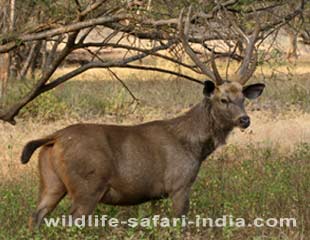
(184, 39)
(249, 62)
(216, 73)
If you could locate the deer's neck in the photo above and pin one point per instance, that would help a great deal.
(199, 131)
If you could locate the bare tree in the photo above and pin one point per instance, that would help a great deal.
(116, 25)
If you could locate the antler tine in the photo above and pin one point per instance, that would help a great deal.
(216, 73)
(183, 36)
(245, 70)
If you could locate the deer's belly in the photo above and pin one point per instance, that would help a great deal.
(125, 197)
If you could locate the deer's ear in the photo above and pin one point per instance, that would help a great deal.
(253, 91)
(208, 88)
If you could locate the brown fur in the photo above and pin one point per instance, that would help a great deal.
(126, 165)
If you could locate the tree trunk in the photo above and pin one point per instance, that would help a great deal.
(292, 35)
(5, 57)
(4, 73)
(8, 25)
(29, 60)
(12, 16)
(292, 50)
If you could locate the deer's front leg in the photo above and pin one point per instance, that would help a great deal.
(180, 202)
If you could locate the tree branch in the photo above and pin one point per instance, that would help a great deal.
(11, 42)
(124, 85)
(184, 31)
(37, 89)
(147, 51)
(41, 86)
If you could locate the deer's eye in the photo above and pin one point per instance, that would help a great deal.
(224, 101)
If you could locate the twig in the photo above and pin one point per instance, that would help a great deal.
(124, 85)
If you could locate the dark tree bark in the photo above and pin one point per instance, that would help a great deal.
(4, 57)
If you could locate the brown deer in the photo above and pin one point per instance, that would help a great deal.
(127, 165)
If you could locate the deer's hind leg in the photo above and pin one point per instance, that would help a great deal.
(52, 189)
(86, 186)
(86, 194)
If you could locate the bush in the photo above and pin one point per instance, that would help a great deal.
(47, 106)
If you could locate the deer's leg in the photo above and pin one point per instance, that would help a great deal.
(52, 189)
(48, 201)
(80, 208)
(180, 202)
(84, 202)
(86, 190)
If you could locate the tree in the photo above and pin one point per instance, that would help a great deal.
(299, 27)
(56, 29)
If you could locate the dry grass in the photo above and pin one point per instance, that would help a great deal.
(283, 131)
(279, 66)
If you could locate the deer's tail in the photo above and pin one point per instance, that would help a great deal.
(31, 146)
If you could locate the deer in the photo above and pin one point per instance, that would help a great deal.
(132, 164)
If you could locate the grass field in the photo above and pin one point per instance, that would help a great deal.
(261, 172)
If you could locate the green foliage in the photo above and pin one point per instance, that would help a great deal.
(89, 99)
(32, 13)
(47, 106)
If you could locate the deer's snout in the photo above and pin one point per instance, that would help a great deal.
(244, 122)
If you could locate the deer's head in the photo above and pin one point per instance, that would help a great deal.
(226, 97)
(227, 101)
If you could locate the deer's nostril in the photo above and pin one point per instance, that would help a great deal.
(244, 121)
